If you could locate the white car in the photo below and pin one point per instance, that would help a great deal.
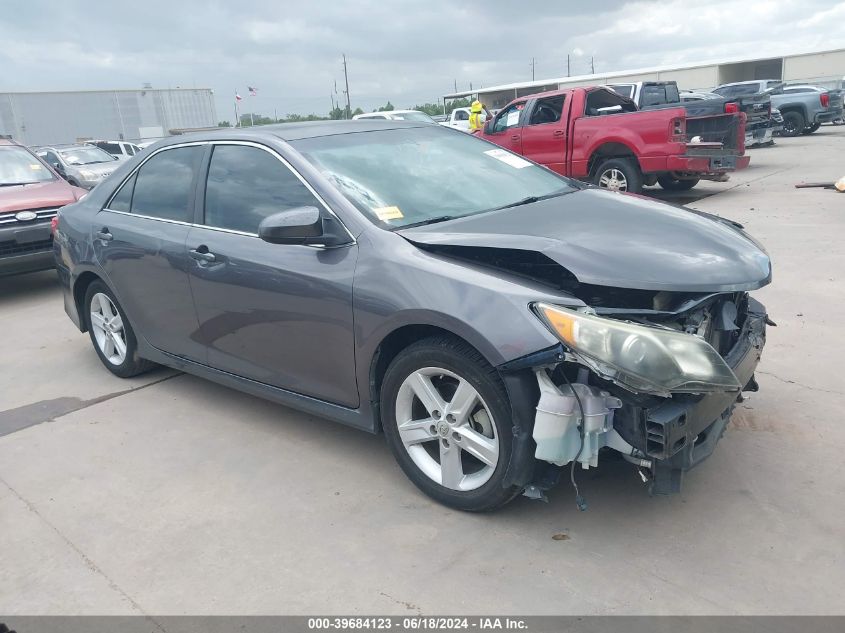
(397, 115)
(121, 150)
(459, 118)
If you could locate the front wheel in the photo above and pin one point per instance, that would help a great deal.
(112, 335)
(447, 419)
(619, 174)
(677, 184)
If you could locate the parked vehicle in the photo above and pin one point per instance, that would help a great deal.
(81, 165)
(835, 99)
(30, 197)
(121, 150)
(486, 318)
(760, 127)
(459, 118)
(598, 135)
(397, 115)
(777, 121)
(803, 112)
(649, 95)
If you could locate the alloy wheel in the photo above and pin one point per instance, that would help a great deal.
(107, 326)
(614, 180)
(447, 429)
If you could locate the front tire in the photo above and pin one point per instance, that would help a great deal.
(619, 174)
(812, 128)
(677, 184)
(111, 334)
(447, 420)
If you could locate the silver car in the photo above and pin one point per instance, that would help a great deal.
(81, 165)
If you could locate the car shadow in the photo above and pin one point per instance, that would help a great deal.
(15, 288)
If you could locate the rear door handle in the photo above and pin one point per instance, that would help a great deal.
(104, 234)
(202, 256)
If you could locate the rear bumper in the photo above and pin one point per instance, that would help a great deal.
(828, 116)
(25, 248)
(706, 164)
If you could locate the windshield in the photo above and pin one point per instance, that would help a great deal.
(86, 156)
(418, 175)
(19, 167)
(413, 116)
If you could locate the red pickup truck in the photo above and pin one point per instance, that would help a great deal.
(598, 135)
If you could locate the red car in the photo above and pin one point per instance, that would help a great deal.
(31, 194)
(598, 135)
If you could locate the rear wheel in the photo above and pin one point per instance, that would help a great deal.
(447, 420)
(619, 174)
(677, 184)
(812, 128)
(112, 335)
(793, 124)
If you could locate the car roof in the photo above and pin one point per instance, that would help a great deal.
(299, 131)
(7, 142)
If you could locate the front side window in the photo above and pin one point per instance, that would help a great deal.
(415, 175)
(461, 115)
(19, 167)
(509, 117)
(164, 185)
(246, 184)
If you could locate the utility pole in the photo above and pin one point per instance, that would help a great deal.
(592, 66)
(532, 69)
(456, 85)
(567, 65)
(346, 79)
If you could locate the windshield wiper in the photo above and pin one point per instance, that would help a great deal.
(441, 218)
(532, 199)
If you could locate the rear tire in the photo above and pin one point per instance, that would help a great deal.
(677, 184)
(447, 420)
(793, 124)
(111, 333)
(619, 174)
(812, 128)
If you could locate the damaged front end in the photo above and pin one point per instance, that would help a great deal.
(653, 376)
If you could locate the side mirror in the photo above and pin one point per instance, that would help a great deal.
(302, 225)
(58, 167)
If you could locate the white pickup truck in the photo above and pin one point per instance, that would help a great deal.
(459, 118)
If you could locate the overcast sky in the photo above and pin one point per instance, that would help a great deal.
(407, 52)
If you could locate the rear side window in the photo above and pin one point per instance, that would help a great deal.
(461, 115)
(164, 185)
(547, 111)
(111, 148)
(122, 200)
(246, 184)
(626, 90)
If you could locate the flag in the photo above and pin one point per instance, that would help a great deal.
(238, 97)
(253, 92)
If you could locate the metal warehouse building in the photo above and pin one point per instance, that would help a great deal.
(825, 68)
(40, 118)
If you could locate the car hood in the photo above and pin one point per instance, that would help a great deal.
(40, 195)
(102, 169)
(618, 240)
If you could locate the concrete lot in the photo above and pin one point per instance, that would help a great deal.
(167, 494)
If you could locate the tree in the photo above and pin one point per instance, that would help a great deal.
(357, 112)
(385, 108)
(224, 124)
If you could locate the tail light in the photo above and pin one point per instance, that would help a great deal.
(678, 130)
(732, 107)
(825, 100)
(54, 224)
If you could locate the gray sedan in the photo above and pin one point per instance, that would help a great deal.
(499, 323)
(81, 165)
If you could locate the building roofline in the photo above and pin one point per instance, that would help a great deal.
(599, 77)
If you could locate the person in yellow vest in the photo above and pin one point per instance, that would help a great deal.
(476, 117)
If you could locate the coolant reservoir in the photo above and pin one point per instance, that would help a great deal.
(556, 423)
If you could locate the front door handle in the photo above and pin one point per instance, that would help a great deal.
(515, 137)
(202, 255)
(558, 133)
(104, 234)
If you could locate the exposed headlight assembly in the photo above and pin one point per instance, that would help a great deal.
(640, 358)
(87, 174)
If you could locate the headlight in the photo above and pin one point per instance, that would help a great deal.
(640, 358)
(87, 175)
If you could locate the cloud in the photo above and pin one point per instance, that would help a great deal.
(407, 52)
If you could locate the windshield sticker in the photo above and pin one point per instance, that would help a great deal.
(388, 213)
(509, 159)
(34, 166)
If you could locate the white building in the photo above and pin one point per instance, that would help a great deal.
(825, 68)
(41, 118)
